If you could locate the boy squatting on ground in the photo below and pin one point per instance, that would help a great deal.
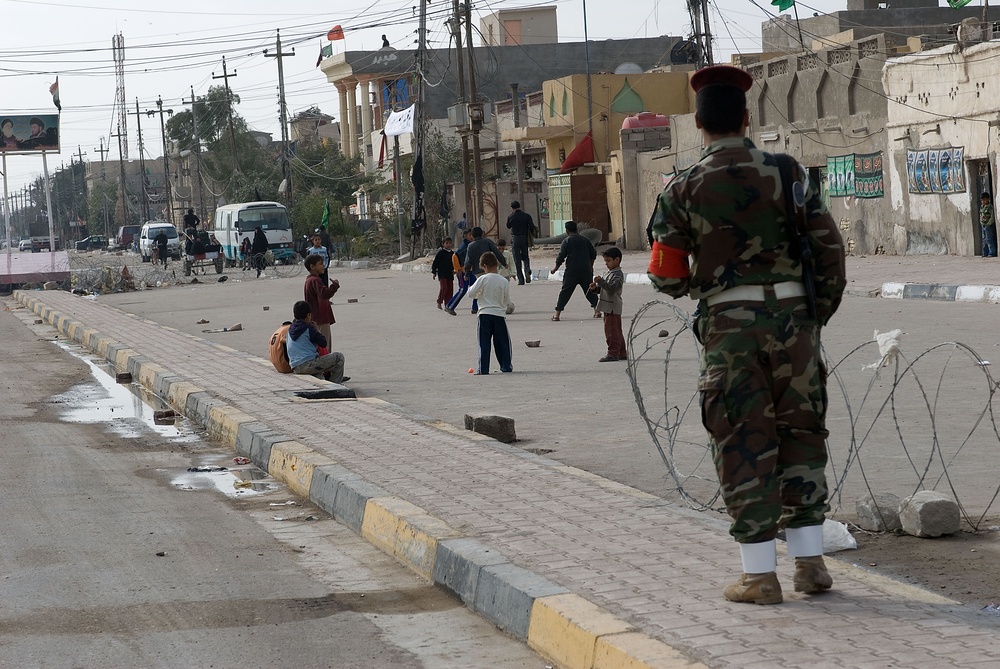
(610, 304)
(493, 293)
(304, 343)
(318, 295)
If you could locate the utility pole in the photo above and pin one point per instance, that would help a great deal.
(166, 163)
(286, 171)
(475, 116)
(103, 152)
(708, 31)
(122, 194)
(518, 153)
(83, 179)
(197, 154)
(144, 200)
(590, 92)
(419, 215)
(229, 102)
(464, 132)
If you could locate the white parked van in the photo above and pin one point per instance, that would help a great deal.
(234, 222)
(149, 232)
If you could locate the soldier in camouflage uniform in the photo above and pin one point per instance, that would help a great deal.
(763, 384)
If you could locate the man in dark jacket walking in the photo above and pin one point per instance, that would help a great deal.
(579, 255)
(522, 229)
(473, 254)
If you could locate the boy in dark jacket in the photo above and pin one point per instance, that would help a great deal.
(443, 270)
(304, 343)
(579, 255)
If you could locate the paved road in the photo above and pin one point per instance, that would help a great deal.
(108, 561)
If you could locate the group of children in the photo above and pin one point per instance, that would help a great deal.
(491, 297)
(301, 346)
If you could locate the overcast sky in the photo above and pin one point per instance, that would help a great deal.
(171, 49)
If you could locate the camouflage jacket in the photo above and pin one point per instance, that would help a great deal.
(728, 212)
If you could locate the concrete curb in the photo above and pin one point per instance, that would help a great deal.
(933, 291)
(559, 625)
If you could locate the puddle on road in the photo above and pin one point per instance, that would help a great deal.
(237, 482)
(126, 408)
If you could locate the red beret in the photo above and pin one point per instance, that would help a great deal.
(721, 75)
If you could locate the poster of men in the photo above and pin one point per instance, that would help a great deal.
(31, 133)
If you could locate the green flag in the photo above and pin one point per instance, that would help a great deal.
(326, 215)
(958, 4)
(785, 5)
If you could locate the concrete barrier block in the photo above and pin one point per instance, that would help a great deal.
(505, 594)
(352, 496)
(223, 421)
(198, 406)
(458, 564)
(261, 444)
(405, 531)
(565, 628)
(293, 463)
(929, 514)
(878, 512)
(323, 488)
(244, 436)
(499, 427)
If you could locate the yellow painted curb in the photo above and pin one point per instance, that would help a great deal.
(405, 531)
(148, 372)
(294, 463)
(565, 628)
(88, 337)
(121, 359)
(633, 650)
(72, 328)
(223, 421)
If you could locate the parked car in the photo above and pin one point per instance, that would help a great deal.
(149, 231)
(92, 242)
(24, 245)
(126, 234)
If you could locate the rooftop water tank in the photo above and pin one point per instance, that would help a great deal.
(645, 120)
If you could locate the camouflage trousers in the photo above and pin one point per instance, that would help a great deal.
(763, 402)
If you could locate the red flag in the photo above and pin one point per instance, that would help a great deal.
(335, 33)
(381, 153)
(579, 156)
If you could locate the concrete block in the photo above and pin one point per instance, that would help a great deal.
(565, 628)
(878, 512)
(260, 447)
(294, 463)
(244, 436)
(500, 428)
(198, 406)
(929, 514)
(344, 494)
(505, 594)
(458, 564)
(406, 532)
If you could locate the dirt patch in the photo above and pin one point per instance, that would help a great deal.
(964, 567)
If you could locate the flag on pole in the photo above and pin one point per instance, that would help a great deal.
(54, 90)
(783, 5)
(326, 215)
(324, 52)
(335, 33)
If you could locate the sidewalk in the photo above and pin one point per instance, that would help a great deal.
(949, 278)
(589, 572)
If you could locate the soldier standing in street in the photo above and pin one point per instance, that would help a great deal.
(522, 229)
(763, 383)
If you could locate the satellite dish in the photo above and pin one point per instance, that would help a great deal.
(685, 52)
(628, 68)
